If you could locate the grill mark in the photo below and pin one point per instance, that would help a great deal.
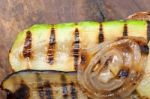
(73, 91)
(144, 49)
(27, 45)
(51, 47)
(40, 86)
(123, 73)
(64, 86)
(125, 30)
(101, 35)
(148, 31)
(76, 48)
(83, 58)
(48, 90)
(21, 93)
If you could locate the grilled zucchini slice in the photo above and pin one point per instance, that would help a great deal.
(42, 85)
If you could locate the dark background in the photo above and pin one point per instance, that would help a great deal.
(16, 15)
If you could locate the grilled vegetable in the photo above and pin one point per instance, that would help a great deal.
(116, 68)
(58, 47)
(144, 86)
(140, 16)
(42, 85)
(32, 84)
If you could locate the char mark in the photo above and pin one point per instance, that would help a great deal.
(148, 31)
(73, 91)
(45, 90)
(123, 73)
(64, 87)
(21, 93)
(144, 49)
(101, 35)
(83, 58)
(40, 87)
(27, 45)
(48, 90)
(76, 48)
(125, 30)
(51, 47)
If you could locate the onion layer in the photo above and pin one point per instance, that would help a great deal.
(114, 68)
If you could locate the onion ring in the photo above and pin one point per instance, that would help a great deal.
(114, 68)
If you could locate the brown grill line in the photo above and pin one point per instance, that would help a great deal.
(83, 58)
(101, 35)
(144, 49)
(148, 31)
(76, 48)
(51, 47)
(22, 92)
(40, 86)
(125, 30)
(27, 45)
(73, 91)
(48, 90)
(64, 87)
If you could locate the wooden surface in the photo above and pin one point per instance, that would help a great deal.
(16, 15)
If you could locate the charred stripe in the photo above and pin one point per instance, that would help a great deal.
(64, 86)
(144, 49)
(48, 90)
(21, 93)
(101, 35)
(83, 58)
(40, 86)
(125, 30)
(27, 45)
(76, 48)
(148, 31)
(51, 47)
(73, 91)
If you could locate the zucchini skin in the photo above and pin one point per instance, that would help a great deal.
(59, 46)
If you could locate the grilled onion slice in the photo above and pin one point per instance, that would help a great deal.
(114, 69)
(140, 16)
(42, 85)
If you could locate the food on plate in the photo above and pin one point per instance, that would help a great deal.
(114, 69)
(144, 86)
(42, 85)
(110, 59)
(25, 84)
(58, 47)
(140, 16)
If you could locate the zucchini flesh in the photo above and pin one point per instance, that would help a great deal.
(42, 85)
(58, 47)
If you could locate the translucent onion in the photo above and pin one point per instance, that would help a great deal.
(113, 69)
